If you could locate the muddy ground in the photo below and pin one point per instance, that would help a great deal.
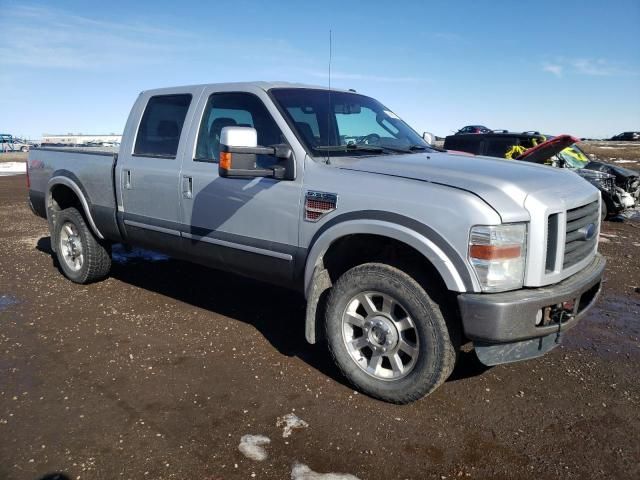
(160, 370)
(621, 154)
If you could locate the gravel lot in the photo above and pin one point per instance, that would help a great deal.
(159, 371)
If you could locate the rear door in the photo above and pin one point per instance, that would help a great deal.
(148, 170)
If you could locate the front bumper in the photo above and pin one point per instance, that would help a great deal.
(503, 325)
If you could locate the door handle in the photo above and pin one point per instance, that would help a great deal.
(126, 177)
(187, 187)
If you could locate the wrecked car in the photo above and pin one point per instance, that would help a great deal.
(620, 187)
(627, 180)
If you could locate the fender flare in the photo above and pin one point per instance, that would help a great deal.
(433, 247)
(68, 182)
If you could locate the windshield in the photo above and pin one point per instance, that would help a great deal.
(343, 123)
(573, 157)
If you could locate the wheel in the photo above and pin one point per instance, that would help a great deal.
(386, 335)
(82, 258)
(24, 149)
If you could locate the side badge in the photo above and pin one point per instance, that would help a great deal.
(318, 204)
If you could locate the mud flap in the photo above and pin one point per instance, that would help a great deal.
(320, 282)
(495, 354)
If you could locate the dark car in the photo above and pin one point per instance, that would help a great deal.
(627, 137)
(620, 187)
(473, 129)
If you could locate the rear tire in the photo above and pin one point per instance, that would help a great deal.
(81, 256)
(386, 335)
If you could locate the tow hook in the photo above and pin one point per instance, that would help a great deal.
(558, 314)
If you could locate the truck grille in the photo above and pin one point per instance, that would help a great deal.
(581, 236)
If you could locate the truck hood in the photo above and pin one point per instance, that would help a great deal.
(503, 184)
(543, 152)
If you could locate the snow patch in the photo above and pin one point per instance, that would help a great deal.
(625, 161)
(12, 168)
(290, 422)
(251, 446)
(302, 472)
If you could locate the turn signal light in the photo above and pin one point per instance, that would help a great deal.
(225, 160)
(494, 252)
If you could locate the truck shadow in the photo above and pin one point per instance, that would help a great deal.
(277, 313)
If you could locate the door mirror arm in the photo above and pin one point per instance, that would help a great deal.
(238, 150)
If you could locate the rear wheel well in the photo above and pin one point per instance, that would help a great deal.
(60, 198)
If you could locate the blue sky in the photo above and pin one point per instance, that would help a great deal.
(554, 66)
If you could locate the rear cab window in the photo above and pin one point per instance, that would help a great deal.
(161, 126)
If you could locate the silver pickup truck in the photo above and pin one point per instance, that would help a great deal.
(404, 253)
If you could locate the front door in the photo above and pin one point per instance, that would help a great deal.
(249, 226)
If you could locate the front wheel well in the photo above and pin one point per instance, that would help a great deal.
(350, 251)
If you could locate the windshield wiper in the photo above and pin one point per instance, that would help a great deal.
(371, 148)
(350, 147)
(409, 149)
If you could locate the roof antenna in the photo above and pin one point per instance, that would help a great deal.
(330, 55)
(329, 109)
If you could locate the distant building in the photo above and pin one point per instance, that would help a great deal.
(80, 139)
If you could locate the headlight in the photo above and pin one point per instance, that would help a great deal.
(497, 254)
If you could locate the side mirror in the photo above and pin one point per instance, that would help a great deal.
(428, 137)
(238, 150)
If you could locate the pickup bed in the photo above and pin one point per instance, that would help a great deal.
(403, 252)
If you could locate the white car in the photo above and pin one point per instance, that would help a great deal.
(12, 144)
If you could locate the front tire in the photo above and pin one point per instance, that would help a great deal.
(386, 335)
(82, 257)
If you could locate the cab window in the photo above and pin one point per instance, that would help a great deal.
(161, 126)
(230, 110)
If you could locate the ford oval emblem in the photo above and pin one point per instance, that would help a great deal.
(588, 232)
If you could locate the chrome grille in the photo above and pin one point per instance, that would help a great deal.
(578, 243)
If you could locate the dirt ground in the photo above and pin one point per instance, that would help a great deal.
(13, 157)
(621, 154)
(158, 371)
